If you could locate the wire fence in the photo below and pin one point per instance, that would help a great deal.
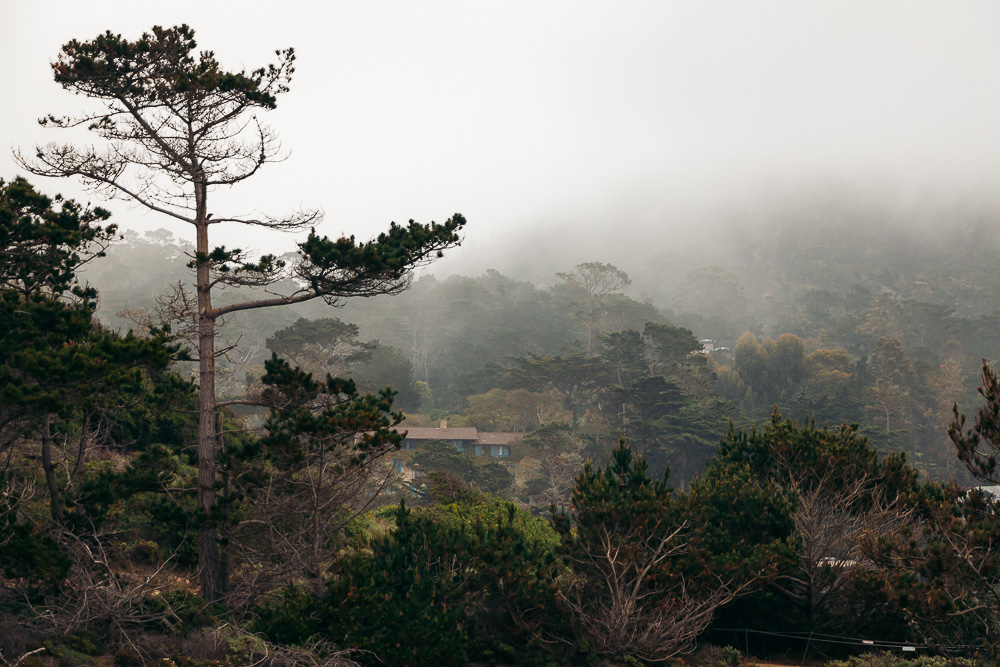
(827, 646)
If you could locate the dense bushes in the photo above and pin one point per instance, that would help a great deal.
(442, 587)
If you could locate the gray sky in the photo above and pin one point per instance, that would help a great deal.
(615, 122)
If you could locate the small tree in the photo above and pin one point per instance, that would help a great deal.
(486, 474)
(846, 498)
(60, 373)
(652, 565)
(463, 582)
(979, 446)
(327, 345)
(317, 467)
(174, 127)
(576, 377)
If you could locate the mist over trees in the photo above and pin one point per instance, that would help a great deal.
(573, 376)
(590, 463)
(869, 351)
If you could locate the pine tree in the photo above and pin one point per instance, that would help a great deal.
(175, 126)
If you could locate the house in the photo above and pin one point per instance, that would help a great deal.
(465, 438)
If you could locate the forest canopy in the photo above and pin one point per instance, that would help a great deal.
(337, 457)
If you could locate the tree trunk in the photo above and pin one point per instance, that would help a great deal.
(76, 476)
(55, 504)
(317, 554)
(224, 515)
(210, 564)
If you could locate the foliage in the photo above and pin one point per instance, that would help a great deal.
(388, 367)
(45, 241)
(558, 452)
(63, 379)
(595, 282)
(483, 473)
(772, 370)
(664, 399)
(27, 553)
(430, 592)
(576, 377)
(517, 411)
(456, 504)
(180, 612)
(845, 498)
(711, 290)
(944, 574)
(718, 656)
(979, 447)
(322, 346)
(319, 464)
(652, 565)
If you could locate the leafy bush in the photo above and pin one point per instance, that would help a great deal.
(144, 552)
(27, 553)
(440, 589)
(180, 611)
(75, 649)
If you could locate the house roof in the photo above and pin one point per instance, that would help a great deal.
(466, 433)
(497, 438)
(422, 433)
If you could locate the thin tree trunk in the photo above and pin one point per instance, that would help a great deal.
(210, 563)
(223, 550)
(81, 452)
(317, 555)
(55, 504)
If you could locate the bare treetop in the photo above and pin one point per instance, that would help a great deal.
(597, 279)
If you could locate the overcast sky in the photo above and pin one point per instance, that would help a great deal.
(614, 122)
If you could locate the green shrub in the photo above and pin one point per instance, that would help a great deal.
(72, 650)
(437, 590)
(144, 552)
(179, 612)
(292, 620)
(27, 553)
(718, 656)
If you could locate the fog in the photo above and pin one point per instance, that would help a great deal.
(645, 134)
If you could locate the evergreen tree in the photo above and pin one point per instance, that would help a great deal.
(845, 498)
(60, 373)
(652, 565)
(176, 126)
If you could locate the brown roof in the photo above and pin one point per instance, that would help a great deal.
(422, 433)
(497, 438)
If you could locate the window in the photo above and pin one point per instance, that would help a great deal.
(499, 450)
(479, 450)
(408, 443)
(397, 465)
